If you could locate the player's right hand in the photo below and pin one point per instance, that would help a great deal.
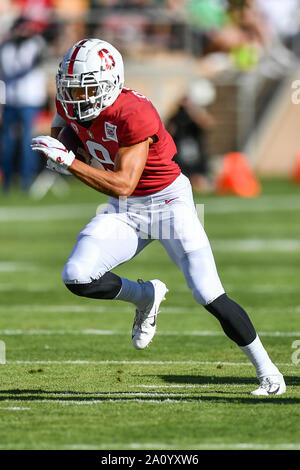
(57, 168)
(54, 150)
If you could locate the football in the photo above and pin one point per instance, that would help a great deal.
(71, 141)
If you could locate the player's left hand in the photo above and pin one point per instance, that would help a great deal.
(54, 150)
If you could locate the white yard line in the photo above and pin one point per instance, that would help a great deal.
(166, 446)
(14, 408)
(54, 212)
(256, 245)
(61, 332)
(159, 445)
(96, 332)
(116, 400)
(119, 394)
(176, 386)
(13, 266)
(265, 203)
(162, 363)
(25, 288)
(248, 445)
(55, 308)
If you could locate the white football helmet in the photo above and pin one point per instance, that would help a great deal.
(90, 78)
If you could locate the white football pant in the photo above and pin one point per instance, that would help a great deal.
(128, 225)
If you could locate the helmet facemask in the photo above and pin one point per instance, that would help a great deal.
(94, 96)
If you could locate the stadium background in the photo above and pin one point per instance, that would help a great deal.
(190, 389)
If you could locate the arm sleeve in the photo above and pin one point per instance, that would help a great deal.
(140, 124)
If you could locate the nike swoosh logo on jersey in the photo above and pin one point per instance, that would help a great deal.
(154, 323)
(169, 200)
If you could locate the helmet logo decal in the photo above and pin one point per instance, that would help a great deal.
(108, 62)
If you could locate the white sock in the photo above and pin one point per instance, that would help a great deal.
(259, 357)
(141, 295)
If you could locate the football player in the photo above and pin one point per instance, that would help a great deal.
(149, 199)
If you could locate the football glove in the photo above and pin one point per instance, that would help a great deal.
(54, 150)
(57, 168)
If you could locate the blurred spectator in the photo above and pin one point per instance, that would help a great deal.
(205, 18)
(281, 17)
(206, 15)
(244, 26)
(127, 31)
(188, 126)
(176, 6)
(122, 3)
(20, 57)
(71, 16)
(283, 22)
(70, 8)
(37, 10)
(8, 13)
(124, 23)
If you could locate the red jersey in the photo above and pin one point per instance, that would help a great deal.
(131, 119)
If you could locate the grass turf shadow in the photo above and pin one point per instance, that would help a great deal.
(211, 380)
(31, 395)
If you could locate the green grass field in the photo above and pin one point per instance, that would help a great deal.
(72, 379)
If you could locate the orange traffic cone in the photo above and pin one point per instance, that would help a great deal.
(296, 170)
(237, 177)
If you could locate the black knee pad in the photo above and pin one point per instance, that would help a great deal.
(234, 320)
(106, 287)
